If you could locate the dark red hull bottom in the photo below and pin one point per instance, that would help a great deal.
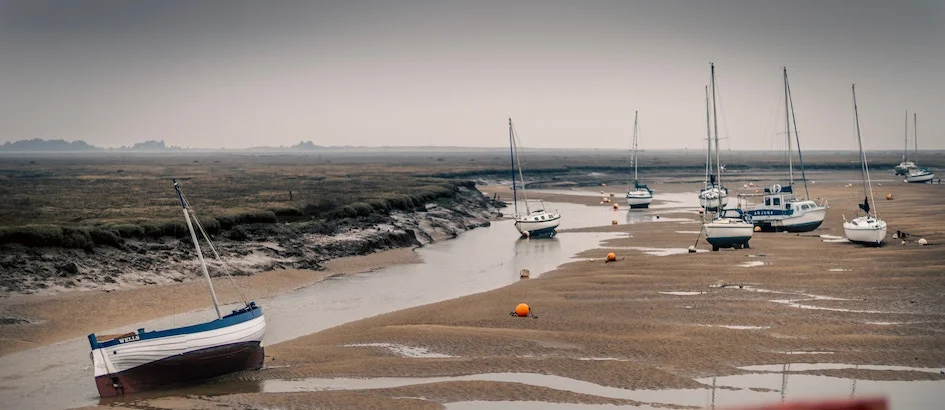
(177, 370)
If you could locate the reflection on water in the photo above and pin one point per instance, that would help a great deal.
(736, 390)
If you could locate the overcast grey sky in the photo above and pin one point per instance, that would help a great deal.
(238, 74)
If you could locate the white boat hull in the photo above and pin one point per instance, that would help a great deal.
(538, 224)
(712, 203)
(122, 357)
(728, 233)
(865, 230)
(639, 199)
(920, 178)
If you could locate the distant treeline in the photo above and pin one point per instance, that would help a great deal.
(41, 145)
(501, 172)
(324, 216)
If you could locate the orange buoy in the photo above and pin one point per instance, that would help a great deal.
(611, 194)
(522, 310)
(757, 229)
(613, 222)
(889, 197)
(616, 207)
(611, 257)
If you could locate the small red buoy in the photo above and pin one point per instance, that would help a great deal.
(522, 310)
(611, 257)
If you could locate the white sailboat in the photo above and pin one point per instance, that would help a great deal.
(532, 223)
(729, 228)
(713, 195)
(915, 174)
(867, 229)
(146, 360)
(638, 195)
(903, 167)
(780, 209)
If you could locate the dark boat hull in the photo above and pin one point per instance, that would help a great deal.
(182, 369)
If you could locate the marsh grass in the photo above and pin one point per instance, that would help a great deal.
(90, 201)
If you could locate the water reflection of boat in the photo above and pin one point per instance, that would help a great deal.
(636, 217)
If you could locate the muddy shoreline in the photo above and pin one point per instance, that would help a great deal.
(247, 248)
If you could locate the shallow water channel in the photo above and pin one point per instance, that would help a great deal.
(60, 375)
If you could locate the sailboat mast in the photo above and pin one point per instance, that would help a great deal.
(708, 138)
(867, 186)
(915, 137)
(635, 136)
(715, 124)
(193, 236)
(512, 160)
(905, 145)
(787, 125)
(797, 137)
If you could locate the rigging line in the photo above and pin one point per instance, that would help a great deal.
(797, 136)
(724, 119)
(216, 255)
(521, 174)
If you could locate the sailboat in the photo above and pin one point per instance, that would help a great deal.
(903, 167)
(638, 195)
(729, 228)
(781, 210)
(915, 174)
(867, 229)
(532, 223)
(713, 195)
(146, 360)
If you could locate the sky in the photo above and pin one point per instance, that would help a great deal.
(571, 74)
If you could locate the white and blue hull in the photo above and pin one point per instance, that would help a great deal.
(147, 360)
(920, 177)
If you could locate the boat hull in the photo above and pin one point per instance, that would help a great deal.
(147, 360)
(534, 229)
(182, 369)
(712, 203)
(806, 222)
(865, 231)
(920, 178)
(728, 235)
(639, 200)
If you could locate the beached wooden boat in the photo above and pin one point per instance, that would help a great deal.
(146, 360)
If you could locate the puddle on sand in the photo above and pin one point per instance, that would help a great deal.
(802, 352)
(794, 303)
(833, 239)
(684, 293)
(769, 385)
(690, 232)
(738, 327)
(662, 251)
(751, 264)
(805, 367)
(603, 359)
(839, 270)
(538, 405)
(404, 351)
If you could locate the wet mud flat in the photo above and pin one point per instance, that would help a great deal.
(653, 329)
